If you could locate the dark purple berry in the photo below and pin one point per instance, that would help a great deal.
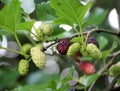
(91, 39)
(63, 46)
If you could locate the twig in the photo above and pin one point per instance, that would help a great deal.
(94, 30)
(112, 84)
(102, 71)
(114, 55)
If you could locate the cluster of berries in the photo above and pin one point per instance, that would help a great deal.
(65, 47)
(38, 58)
(37, 55)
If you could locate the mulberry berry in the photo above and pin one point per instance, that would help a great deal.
(38, 57)
(87, 67)
(26, 48)
(73, 49)
(91, 39)
(23, 66)
(114, 70)
(47, 29)
(63, 46)
(93, 51)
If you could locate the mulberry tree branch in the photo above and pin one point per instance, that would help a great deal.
(91, 31)
(113, 55)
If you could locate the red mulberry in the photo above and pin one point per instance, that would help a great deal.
(87, 67)
(63, 46)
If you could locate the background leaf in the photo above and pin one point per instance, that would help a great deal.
(10, 16)
(73, 12)
(96, 17)
(107, 52)
(45, 12)
(102, 43)
(88, 79)
(9, 78)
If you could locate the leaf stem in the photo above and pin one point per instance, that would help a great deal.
(19, 44)
(11, 50)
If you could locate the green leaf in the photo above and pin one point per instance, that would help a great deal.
(76, 39)
(107, 52)
(65, 88)
(45, 11)
(3, 32)
(10, 16)
(69, 76)
(101, 42)
(8, 77)
(73, 12)
(60, 32)
(38, 77)
(89, 79)
(118, 81)
(52, 84)
(25, 26)
(96, 17)
(32, 88)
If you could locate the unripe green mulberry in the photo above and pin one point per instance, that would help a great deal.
(23, 66)
(114, 70)
(73, 49)
(93, 51)
(40, 46)
(38, 57)
(26, 48)
(47, 29)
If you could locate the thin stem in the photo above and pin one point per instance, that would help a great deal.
(11, 50)
(81, 34)
(16, 37)
(76, 31)
(19, 44)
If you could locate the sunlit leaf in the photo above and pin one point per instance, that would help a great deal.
(10, 16)
(25, 26)
(73, 12)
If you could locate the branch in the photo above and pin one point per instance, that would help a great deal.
(94, 30)
(111, 86)
(113, 55)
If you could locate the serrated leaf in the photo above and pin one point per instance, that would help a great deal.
(73, 12)
(10, 16)
(45, 11)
